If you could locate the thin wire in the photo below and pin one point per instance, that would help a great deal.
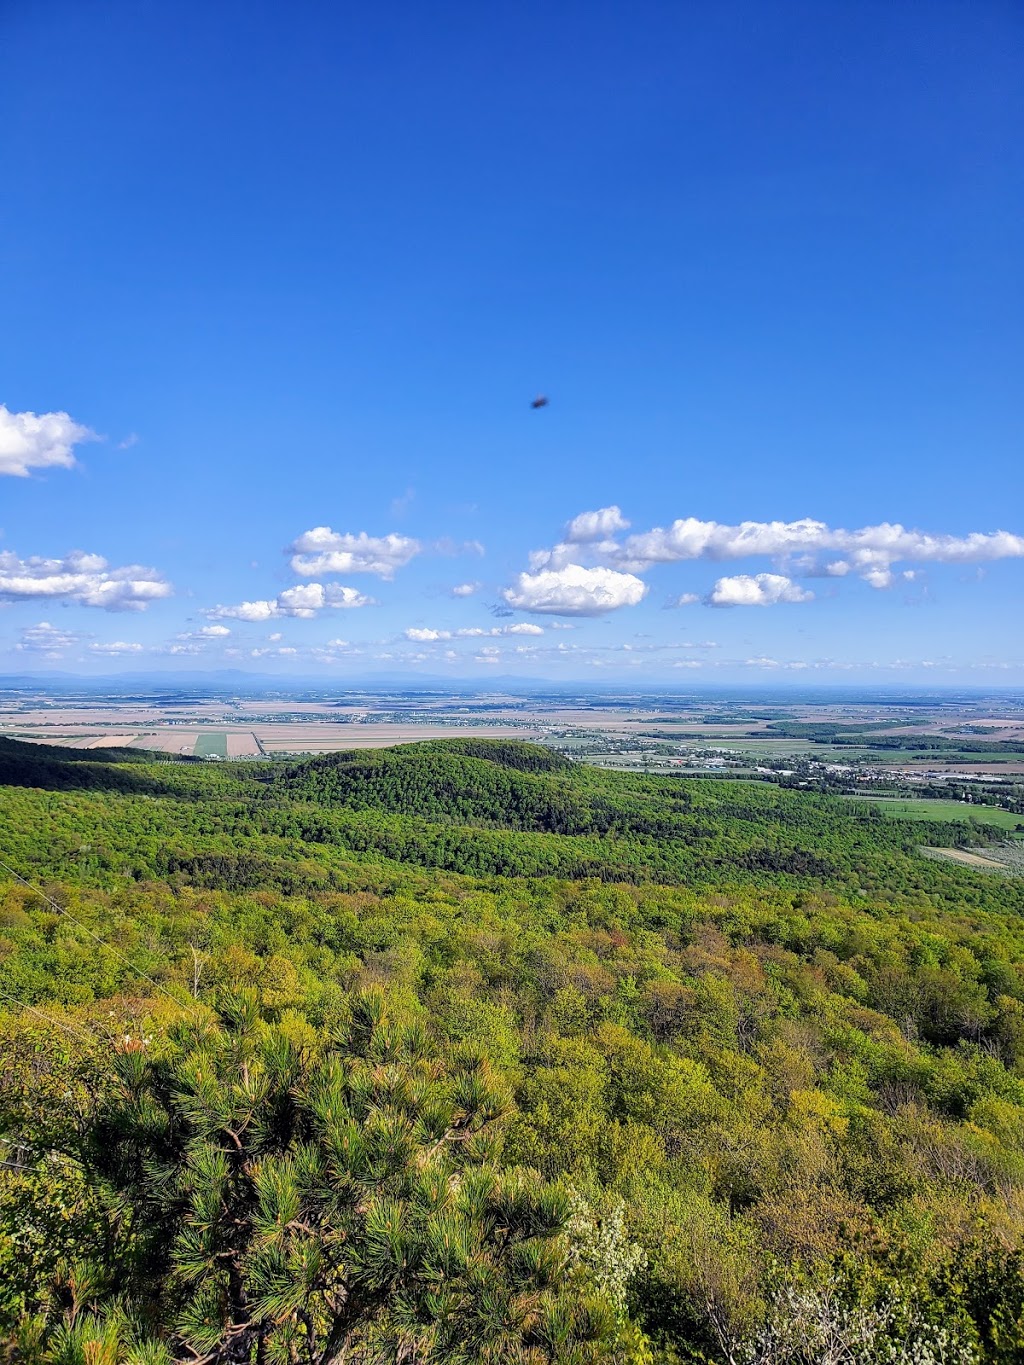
(26, 1168)
(38, 1153)
(57, 1023)
(85, 928)
(14, 1166)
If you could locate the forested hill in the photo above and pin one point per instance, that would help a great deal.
(610, 825)
(506, 784)
(470, 806)
(50, 765)
(458, 1052)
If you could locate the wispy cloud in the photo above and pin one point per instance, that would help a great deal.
(116, 649)
(206, 635)
(401, 504)
(427, 634)
(54, 643)
(48, 640)
(453, 549)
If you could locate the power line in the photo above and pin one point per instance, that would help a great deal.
(81, 1030)
(22, 1147)
(37, 1154)
(88, 1036)
(85, 929)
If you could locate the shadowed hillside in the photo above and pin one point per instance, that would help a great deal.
(62, 769)
(511, 785)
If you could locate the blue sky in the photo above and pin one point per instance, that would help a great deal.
(279, 282)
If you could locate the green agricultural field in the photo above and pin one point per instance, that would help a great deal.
(939, 758)
(923, 808)
(790, 748)
(211, 746)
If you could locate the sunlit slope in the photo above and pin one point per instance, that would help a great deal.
(470, 807)
(507, 784)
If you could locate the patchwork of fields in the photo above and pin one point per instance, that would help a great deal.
(887, 744)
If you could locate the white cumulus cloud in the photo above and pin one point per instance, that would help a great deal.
(304, 601)
(756, 590)
(465, 589)
(259, 610)
(878, 576)
(575, 591)
(323, 551)
(83, 578)
(869, 551)
(425, 635)
(43, 440)
(597, 525)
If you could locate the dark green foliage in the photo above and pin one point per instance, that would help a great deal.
(470, 782)
(16, 753)
(295, 827)
(59, 769)
(257, 1198)
(507, 753)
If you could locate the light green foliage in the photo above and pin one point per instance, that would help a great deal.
(781, 1054)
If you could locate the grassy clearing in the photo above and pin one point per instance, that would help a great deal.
(939, 758)
(924, 808)
(975, 860)
(211, 746)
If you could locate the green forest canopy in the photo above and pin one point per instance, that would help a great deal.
(621, 1067)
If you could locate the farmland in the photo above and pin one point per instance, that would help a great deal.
(211, 744)
(925, 809)
(872, 743)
